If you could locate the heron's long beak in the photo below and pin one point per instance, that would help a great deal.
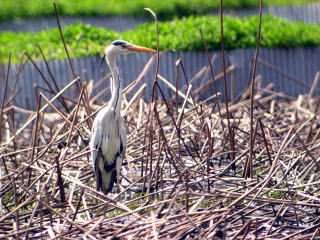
(136, 48)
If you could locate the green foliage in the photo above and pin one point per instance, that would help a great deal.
(81, 39)
(175, 35)
(10, 9)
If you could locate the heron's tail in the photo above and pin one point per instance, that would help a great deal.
(106, 174)
(108, 179)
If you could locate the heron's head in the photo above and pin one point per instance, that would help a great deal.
(122, 47)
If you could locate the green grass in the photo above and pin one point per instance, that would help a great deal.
(11, 9)
(175, 35)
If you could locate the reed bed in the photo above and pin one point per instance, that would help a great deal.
(180, 180)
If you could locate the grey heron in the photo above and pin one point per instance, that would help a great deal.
(108, 141)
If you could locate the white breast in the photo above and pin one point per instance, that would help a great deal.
(111, 138)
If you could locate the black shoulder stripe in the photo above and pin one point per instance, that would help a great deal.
(98, 175)
(121, 153)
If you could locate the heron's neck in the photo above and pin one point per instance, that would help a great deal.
(115, 84)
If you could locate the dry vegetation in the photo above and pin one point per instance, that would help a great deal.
(194, 169)
(180, 179)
